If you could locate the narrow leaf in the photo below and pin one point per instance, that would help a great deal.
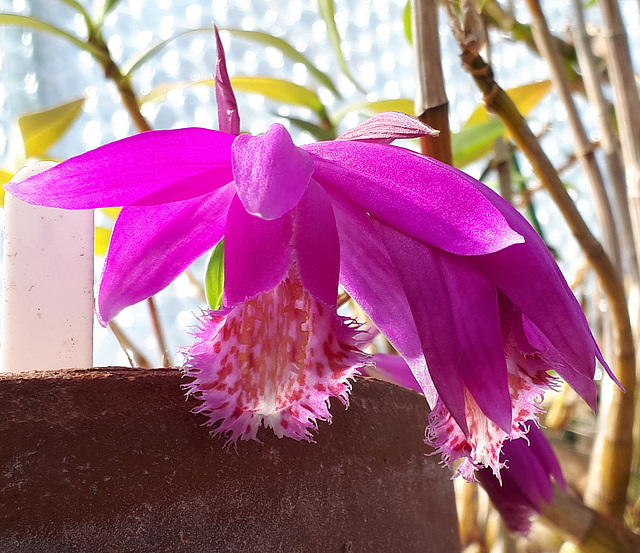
(327, 12)
(275, 89)
(402, 105)
(406, 22)
(144, 56)
(280, 91)
(79, 8)
(472, 143)
(102, 236)
(318, 132)
(5, 177)
(41, 130)
(525, 97)
(16, 20)
(262, 38)
(103, 7)
(214, 277)
(290, 52)
(111, 212)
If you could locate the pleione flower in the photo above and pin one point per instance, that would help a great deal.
(449, 272)
(528, 465)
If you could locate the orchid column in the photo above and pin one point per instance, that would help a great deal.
(47, 312)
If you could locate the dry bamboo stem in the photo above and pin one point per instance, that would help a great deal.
(431, 105)
(583, 147)
(608, 141)
(131, 104)
(599, 466)
(618, 441)
(590, 531)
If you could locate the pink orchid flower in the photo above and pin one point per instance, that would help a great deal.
(449, 272)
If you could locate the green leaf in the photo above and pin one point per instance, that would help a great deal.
(327, 12)
(402, 105)
(147, 54)
(214, 276)
(406, 22)
(525, 97)
(280, 91)
(79, 8)
(472, 143)
(288, 51)
(275, 89)
(318, 132)
(39, 25)
(102, 9)
(111, 212)
(41, 130)
(260, 37)
(5, 177)
(101, 236)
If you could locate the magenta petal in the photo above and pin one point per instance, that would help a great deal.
(392, 368)
(271, 173)
(450, 320)
(316, 243)
(474, 303)
(148, 168)
(386, 127)
(419, 196)
(257, 253)
(151, 246)
(529, 276)
(228, 115)
(368, 275)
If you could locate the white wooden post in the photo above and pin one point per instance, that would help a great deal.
(47, 285)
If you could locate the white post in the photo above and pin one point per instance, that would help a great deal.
(47, 285)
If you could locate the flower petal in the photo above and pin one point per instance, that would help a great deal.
(151, 246)
(316, 243)
(526, 479)
(149, 168)
(386, 127)
(455, 309)
(536, 348)
(366, 272)
(419, 196)
(529, 276)
(228, 115)
(392, 368)
(271, 173)
(257, 253)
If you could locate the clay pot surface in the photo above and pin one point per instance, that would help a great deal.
(112, 460)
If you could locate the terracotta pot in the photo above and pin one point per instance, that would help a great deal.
(111, 460)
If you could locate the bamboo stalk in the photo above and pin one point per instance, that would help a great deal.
(431, 104)
(583, 148)
(591, 531)
(608, 141)
(617, 444)
(131, 104)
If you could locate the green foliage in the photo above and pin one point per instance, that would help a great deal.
(42, 129)
(275, 89)
(327, 10)
(35, 24)
(481, 130)
(407, 23)
(403, 105)
(475, 141)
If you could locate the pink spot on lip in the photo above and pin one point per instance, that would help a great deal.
(266, 352)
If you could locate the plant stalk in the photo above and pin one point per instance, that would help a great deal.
(615, 447)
